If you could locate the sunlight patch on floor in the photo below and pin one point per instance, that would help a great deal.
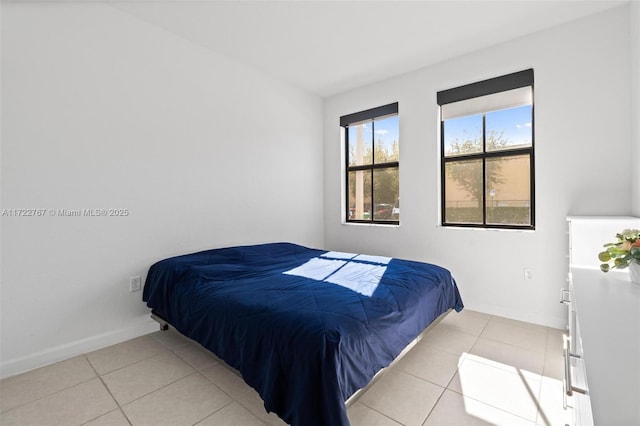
(499, 393)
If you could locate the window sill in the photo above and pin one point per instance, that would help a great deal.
(473, 228)
(382, 225)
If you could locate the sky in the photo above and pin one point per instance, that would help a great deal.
(514, 122)
(386, 131)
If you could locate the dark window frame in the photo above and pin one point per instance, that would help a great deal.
(487, 87)
(357, 118)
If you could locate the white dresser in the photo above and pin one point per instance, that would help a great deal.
(604, 327)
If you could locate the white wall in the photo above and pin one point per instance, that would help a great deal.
(634, 17)
(582, 75)
(100, 110)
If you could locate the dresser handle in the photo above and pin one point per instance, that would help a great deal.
(568, 388)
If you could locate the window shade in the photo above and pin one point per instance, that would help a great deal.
(496, 101)
(507, 91)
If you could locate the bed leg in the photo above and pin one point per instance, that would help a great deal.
(164, 325)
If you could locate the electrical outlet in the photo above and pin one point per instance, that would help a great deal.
(135, 284)
(528, 274)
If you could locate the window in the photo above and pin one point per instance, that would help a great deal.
(487, 160)
(372, 165)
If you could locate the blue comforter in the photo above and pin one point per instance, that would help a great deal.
(306, 328)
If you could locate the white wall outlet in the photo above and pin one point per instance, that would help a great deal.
(528, 274)
(135, 284)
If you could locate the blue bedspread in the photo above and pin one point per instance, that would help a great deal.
(306, 328)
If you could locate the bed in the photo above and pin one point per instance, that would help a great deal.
(306, 328)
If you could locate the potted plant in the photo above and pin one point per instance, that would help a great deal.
(625, 252)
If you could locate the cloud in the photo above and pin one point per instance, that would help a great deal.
(381, 132)
(520, 126)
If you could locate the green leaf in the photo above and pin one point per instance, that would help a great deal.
(604, 256)
(621, 262)
(604, 267)
(616, 252)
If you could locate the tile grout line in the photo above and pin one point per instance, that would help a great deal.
(539, 411)
(483, 402)
(200, 372)
(110, 394)
(541, 415)
(493, 406)
(455, 373)
(465, 358)
(216, 411)
(148, 393)
(46, 396)
(382, 414)
(444, 389)
(511, 344)
(249, 410)
(86, 355)
(49, 395)
(535, 399)
(221, 390)
(437, 401)
(161, 387)
(97, 375)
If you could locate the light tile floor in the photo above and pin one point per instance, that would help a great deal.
(470, 369)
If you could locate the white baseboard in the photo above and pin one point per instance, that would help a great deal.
(144, 325)
(544, 320)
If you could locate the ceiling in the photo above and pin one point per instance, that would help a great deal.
(328, 47)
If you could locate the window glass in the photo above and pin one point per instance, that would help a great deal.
(360, 144)
(508, 190)
(463, 135)
(509, 128)
(385, 193)
(359, 196)
(464, 191)
(386, 140)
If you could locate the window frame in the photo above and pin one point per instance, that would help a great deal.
(372, 114)
(482, 88)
